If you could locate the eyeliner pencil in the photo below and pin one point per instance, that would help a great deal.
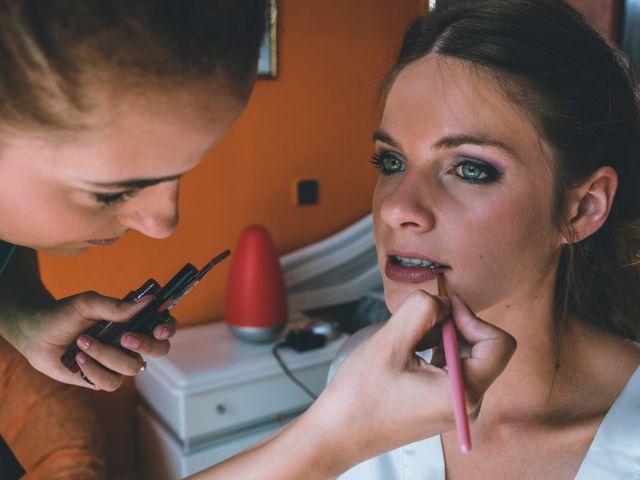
(452, 356)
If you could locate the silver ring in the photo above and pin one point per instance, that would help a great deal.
(143, 367)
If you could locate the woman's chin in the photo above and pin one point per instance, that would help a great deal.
(395, 295)
(395, 299)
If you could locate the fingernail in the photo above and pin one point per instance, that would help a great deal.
(84, 342)
(165, 333)
(131, 342)
(81, 358)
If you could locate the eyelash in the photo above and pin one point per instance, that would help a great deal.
(109, 199)
(492, 173)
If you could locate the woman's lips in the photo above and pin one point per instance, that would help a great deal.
(103, 242)
(399, 273)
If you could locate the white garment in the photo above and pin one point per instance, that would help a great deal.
(614, 453)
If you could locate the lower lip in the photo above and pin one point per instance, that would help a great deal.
(401, 274)
(103, 243)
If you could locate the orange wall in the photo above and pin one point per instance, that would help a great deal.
(314, 121)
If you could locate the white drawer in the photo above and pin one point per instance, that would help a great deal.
(163, 458)
(216, 412)
(211, 383)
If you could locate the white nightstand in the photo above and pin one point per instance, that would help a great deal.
(214, 396)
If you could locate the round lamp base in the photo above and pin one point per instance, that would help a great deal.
(256, 334)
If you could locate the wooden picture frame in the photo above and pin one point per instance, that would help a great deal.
(268, 59)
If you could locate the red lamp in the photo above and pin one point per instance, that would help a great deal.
(256, 300)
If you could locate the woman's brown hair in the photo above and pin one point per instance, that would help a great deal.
(51, 52)
(582, 97)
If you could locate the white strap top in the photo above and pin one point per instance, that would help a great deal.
(614, 453)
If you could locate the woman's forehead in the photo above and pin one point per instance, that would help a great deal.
(439, 96)
(137, 138)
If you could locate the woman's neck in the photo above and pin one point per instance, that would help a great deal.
(525, 384)
(555, 361)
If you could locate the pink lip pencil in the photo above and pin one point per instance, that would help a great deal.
(452, 356)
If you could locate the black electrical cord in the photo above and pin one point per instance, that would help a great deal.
(288, 372)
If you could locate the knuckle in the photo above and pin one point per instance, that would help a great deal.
(79, 302)
(88, 296)
(423, 300)
(95, 347)
(82, 302)
(131, 367)
(164, 348)
(112, 384)
(158, 349)
(134, 365)
(122, 309)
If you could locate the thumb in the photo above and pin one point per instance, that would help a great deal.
(491, 347)
(417, 315)
(93, 306)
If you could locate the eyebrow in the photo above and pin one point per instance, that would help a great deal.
(136, 183)
(451, 141)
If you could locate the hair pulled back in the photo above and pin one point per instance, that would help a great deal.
(582, 98)
(51, 52)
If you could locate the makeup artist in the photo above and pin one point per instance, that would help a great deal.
(94, 137)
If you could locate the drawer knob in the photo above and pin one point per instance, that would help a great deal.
(221, 409)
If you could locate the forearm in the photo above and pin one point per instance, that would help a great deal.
(309, 448)
(21, 293)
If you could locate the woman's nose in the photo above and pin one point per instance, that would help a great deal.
(407, 205)
(153, 211)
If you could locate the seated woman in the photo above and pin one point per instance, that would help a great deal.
(509, 157)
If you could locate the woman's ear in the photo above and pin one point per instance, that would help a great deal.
(590, 203)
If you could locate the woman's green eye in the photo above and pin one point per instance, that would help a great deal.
(392, 164)
(472, 172)
(476, 171)
(388, 163)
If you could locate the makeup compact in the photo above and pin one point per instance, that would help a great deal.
(157, 312)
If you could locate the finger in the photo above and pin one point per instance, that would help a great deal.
(471, 327)
(165, 330)
(94, 306)
(491, 347)
(419, 313)
(112, 358)
(464, 348)
(101, 378)
(145, 345)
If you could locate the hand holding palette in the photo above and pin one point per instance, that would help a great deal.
(152, 315)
